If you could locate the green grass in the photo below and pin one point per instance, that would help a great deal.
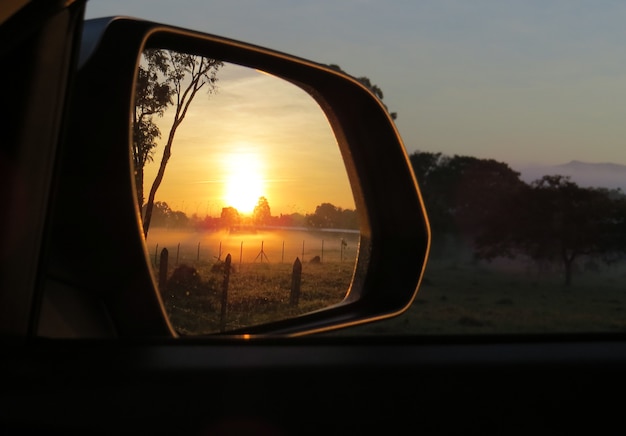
(457, 296)
(459, 299)
(257, 293)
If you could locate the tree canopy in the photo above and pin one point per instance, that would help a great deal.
(262, 214)
(556, 220)
(485, 204)
(462, 192)
(165, 78)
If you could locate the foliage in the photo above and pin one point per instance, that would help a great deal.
(167, 78)
(484, 202)
(329, 216)
(326, 216)
(262, 215)
(461, 192)
(555, 220)
(152, 98)
(230, 217)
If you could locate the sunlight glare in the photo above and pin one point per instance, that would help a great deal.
(244, 183)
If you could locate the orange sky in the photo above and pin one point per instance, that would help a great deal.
(257, 136)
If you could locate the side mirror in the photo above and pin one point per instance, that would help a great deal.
(100, 263)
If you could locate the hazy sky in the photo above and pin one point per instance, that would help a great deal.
(536, 81)
(255, 136)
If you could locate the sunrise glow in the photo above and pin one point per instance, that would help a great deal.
(244, 181)
(257, 136)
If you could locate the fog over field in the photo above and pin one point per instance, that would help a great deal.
(274, 246)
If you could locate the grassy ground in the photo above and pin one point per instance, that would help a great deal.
(463, 298)
(257, 293)
(458, 296)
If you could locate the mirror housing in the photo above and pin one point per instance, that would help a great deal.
(109, 278)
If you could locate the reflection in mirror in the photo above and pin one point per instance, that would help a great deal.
(246, 205)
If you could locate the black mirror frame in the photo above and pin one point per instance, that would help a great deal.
(395, 234)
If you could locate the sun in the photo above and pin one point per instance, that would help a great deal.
(244, 181)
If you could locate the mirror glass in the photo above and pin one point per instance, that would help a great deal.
(246, 205)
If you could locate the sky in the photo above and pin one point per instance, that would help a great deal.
(254, 136)
(524, 82)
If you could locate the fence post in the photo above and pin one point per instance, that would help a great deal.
(163, 269)
(341, 251)
(224, 313)
(156, 255)
(240, 253)
(177, 253)
(296, 279)
(322, 259)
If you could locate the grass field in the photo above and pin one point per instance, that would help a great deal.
(261, 279)
(257, 293)
(459, 298)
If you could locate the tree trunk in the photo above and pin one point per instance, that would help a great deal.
(139, 187)
(568, 263)
(157, 182)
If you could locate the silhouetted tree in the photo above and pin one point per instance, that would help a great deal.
(349, 219)
(162, 213)
(329, 216)
(183, 75)
(261, 214)
(291, 220)
(230, 217)
(556, 220)
(151, 98)
(325, 216)
(462, 193)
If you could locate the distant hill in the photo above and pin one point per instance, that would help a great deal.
(606, 175)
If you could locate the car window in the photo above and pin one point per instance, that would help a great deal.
(512, 117)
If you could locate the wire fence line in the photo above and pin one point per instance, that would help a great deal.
(256, 250)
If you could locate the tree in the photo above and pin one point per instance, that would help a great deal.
(182, 75)
(424, 163)
(375, 89)
(555, 220)
(152, 98)
(261, 214)
(162, 213)
(230, 217)
(329, 216)
(462, 194)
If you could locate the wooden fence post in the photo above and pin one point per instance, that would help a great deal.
(341, 251)
(224, 312)
(163, 269)
(296, 279)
